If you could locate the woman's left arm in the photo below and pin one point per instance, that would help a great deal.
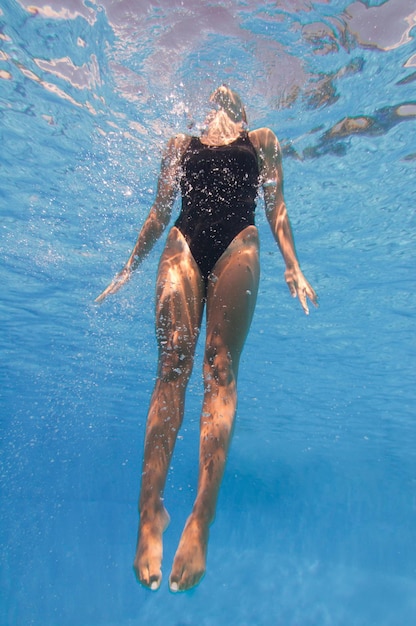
(271, 173)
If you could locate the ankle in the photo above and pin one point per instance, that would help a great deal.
(202, 515)
(153, 512)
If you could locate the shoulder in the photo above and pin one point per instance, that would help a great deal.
(269, 154)
(179, 142)
(175, 148)
(264, 140)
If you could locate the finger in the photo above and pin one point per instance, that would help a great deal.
(104, 294)
(292, 288)
(303, 301)
(312, 296)
(100, 298)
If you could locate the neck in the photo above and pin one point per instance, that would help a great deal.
(221, 130)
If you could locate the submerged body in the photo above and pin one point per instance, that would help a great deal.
(211, 259)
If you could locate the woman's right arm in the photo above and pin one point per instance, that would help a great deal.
(159, 214)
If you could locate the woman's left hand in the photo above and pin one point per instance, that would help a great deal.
(299, 286)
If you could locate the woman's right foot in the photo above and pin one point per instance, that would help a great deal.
(148, 559)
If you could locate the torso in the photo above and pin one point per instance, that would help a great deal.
(219, 186)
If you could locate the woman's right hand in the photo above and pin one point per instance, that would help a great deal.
(118, 281)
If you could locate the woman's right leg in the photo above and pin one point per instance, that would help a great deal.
(179, 308)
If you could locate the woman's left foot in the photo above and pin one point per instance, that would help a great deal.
(190, 558)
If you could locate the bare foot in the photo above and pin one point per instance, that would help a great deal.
(190, 558)
(148, 559)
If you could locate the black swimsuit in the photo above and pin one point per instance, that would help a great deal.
(219, 188)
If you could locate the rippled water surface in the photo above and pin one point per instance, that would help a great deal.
(316, 519)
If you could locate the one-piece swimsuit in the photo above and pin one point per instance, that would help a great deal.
(219, 185)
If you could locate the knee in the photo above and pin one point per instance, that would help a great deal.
(218, 365)
(175, 358)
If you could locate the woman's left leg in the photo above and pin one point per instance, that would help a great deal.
(231, 300)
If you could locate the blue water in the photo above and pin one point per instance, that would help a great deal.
(316, 522)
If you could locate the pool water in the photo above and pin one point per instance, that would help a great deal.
(316, 520)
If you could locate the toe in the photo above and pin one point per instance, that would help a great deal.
(173, 586)
(185, 581)
(175, 580)
(155, 583)
(151, 581)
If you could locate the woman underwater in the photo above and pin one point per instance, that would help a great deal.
(211, 259)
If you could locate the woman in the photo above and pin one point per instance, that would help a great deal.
(211, 259)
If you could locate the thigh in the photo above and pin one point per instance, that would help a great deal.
(179, 294)
(232, 294)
